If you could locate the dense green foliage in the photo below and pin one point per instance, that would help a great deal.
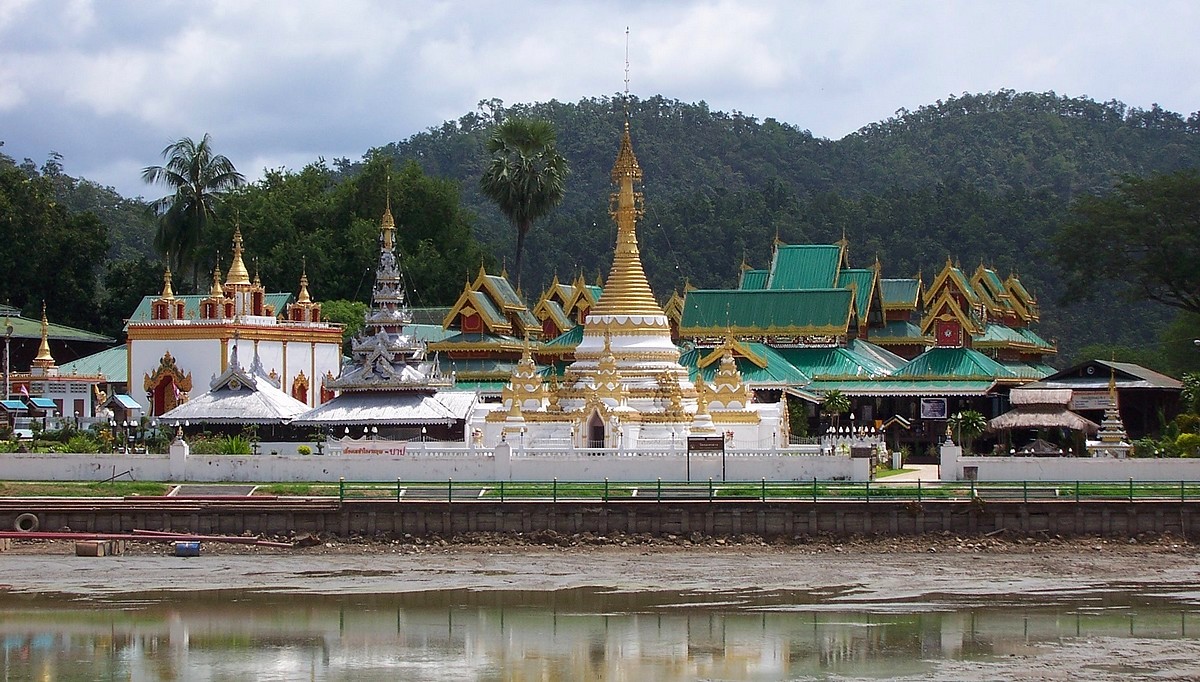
(1144, 235)
(977, 178)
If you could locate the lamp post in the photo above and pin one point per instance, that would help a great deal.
(423, 432)
(8, 332)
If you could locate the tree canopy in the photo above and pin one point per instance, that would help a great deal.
(197, 178)
(1144, 235)
(525, 176)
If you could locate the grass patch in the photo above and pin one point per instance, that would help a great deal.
(884, 473)
(82, 489)
(299, 489)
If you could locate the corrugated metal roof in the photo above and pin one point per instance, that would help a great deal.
(191, 306)
(26, 328)
(43, 403)
(753, 280)
(113, 364)
(862, 279)
(898, 387)
(813, 311)
(241, 402)
(883, 356)
(834, 363)
(805, 266)
(1126, 374)
(900, 330)
(778, 372)
(953, 363)
(14, 405)
(899, 293)
(568, 339)
(1040, 396)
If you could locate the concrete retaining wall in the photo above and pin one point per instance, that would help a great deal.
(770, 520)
(1066, 468)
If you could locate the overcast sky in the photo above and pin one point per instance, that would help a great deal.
(108, 84)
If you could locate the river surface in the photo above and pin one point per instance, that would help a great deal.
(1126, 631)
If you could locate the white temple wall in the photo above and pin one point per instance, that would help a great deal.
(200, 357)
(1066, 468)
(385, 461)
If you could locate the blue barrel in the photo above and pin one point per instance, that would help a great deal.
(187, 548)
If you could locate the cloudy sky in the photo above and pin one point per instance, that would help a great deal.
(109, 83)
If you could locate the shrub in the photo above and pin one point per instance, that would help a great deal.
(304, 450)
(234, 445)
(82, 443)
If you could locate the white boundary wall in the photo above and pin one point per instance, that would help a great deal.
(1066, 468)
(384, 461)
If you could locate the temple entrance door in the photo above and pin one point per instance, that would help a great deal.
(595, 432)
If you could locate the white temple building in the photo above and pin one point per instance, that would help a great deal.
(626, 388)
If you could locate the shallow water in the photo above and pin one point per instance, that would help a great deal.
(1125, 632)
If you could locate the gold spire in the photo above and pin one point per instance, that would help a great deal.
(387, 226)
(304, 297)
(237, 270)
(44, 359)
(167, 292)
(257, 270)
(216, 291)
(627, 291)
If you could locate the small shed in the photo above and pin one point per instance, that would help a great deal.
(11, 410)
(124, 408)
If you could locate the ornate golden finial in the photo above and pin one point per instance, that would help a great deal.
(44, 359)
(303, 297)
(216, 290)
(238, 275)
(167, 293)
(257, 280)
(387, 226)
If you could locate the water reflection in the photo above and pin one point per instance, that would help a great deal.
(566, 635)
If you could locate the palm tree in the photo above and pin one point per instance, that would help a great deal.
(966, 426)
(525, 177)
(197, 178)
(835, 404)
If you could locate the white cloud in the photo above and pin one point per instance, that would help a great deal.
(274, 80)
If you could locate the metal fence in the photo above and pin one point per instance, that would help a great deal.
(766, 491)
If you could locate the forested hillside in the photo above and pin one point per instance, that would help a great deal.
(977, 178)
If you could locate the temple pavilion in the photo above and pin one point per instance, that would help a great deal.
(624, 387)
(391, 389)
(174, 341)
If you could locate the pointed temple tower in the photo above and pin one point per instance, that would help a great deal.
(390, 384)
(173, 338)
(625, 388)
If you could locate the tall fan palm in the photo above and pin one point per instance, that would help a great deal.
(525, 177)
(197, 178)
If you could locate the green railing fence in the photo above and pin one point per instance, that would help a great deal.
(765, 491)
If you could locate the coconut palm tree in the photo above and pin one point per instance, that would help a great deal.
(197, 178)
(525, 175)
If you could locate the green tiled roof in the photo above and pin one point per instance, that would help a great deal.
(487, 308)
(508, 297)
(477, 338)
(1032, 337)
(808, 266)
(568, 339)
(965, 285)
(427, 332)
(112, 363)
(953, 363)
(1000, 334)
(26, 328)
(899, 292)
(816, 311)
(191, 305)
(1018, 289)
(862, 279)
(754, 279)
(901, 387)
(778, 372)
(834, 363)
(560, 318)
(900, 329)
(429, 315)
(1027, 370)
(595, 291)
(494, 387)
